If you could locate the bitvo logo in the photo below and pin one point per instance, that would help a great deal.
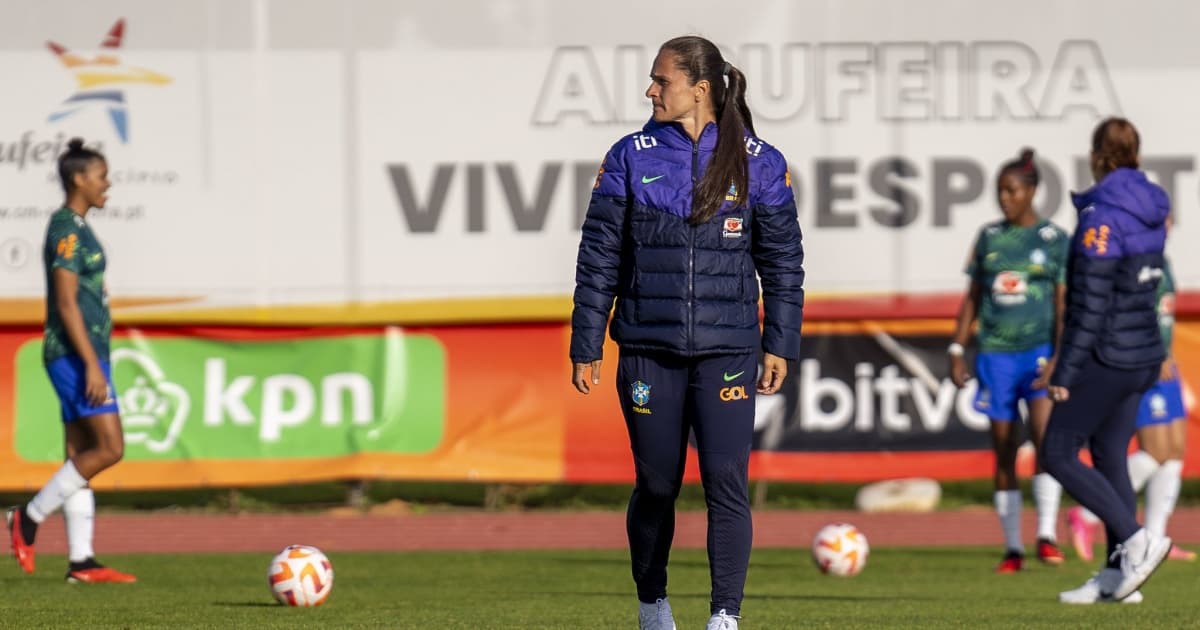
(737, 392)
(890, 401)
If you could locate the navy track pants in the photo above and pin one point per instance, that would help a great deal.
(1100, 413)
(662, 397)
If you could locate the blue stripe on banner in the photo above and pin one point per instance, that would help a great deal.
(113, 96)
(57, 116)
(119, 121)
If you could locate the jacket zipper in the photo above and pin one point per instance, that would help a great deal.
(691, 324)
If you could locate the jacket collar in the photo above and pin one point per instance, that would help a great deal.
(672, 135)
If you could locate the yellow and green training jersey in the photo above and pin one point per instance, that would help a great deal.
(71, 245)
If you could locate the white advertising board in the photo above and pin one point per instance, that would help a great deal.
(377, 159)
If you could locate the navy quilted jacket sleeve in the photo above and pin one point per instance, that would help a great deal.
(597, 269)
(778, 258)
(1092, 271)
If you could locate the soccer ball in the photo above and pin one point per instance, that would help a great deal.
(300, 576)
(840, 549)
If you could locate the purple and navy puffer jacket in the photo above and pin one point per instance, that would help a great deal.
(1113, 272)
(681, 289)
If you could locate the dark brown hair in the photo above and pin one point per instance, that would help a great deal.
(1023, 167)
(1115, 144)
(73, 161)
(700, 60)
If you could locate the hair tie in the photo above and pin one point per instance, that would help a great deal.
(725, 70)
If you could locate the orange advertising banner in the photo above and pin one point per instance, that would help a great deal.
(205, 407)
(271, 406)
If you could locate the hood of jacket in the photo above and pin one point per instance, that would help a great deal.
(1130, 191)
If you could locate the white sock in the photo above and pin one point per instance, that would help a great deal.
(79, 512)
(1008, 508)
(1047, 493)
(65, 482)
(1141, 466)
(1162, 491)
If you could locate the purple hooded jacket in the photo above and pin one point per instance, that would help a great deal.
(1115, 265)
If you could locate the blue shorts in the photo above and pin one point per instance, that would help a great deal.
(69, 377)
(1006, 378)
(1161, 404)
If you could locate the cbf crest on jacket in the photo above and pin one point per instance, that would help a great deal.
(682, 289)
(1115, 266)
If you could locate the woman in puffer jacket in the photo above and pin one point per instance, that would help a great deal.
(1109, 356)
(687, 216)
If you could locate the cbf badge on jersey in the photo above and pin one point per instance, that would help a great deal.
(1158, 405)
(732, 227)
(640, 392)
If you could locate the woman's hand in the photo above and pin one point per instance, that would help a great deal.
(958, 371)
(580, 380)
(1044, 373)
(95, 386)
(1167, 371)
(1059, 394)
(773, 373)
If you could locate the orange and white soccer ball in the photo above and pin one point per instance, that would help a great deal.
(840, 549)
(300, 576)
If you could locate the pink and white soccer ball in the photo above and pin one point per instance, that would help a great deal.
(840, 549)
(300, 576)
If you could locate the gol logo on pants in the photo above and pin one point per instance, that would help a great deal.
(737, 392)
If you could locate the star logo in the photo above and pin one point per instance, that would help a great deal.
(99, 79)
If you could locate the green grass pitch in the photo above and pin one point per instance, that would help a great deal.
(900, 588)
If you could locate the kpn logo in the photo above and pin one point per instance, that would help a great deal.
(305, 397)
(101, 79)
(153, 409)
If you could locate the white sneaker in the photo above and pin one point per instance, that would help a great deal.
(1134, 598)
(1091, 591)
(721, 621)
(1141, 554)
(656, 616)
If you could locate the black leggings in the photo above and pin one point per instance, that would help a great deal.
(1100, 413)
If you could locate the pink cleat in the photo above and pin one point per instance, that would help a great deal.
(1082, 537)
(1179, 553)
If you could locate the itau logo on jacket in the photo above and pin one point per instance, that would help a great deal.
(99, 81)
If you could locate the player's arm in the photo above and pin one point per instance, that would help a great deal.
(1166, 324)
(968, 311)
(66, 291)
(597, 269)
(1167, 371)
(1060, 314)
(778, 252)
(1060, 311)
